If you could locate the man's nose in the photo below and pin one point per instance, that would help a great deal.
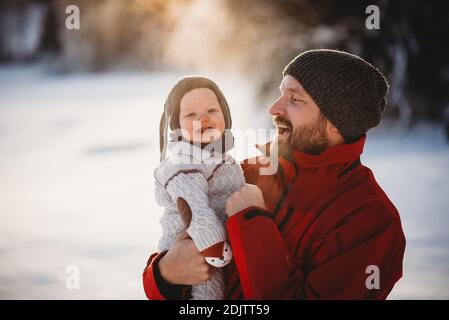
(277, 108)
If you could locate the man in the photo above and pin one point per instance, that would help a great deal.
(321, 227)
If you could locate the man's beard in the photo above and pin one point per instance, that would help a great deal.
(307, 138)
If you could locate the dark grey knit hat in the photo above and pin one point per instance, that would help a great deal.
(349, 91)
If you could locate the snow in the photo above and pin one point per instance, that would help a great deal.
(412, 168)
(76, 183)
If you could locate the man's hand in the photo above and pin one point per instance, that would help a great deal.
(248, 196)
(183, 264)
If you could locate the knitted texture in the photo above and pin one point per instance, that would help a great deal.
(349, 91)
(205, 185)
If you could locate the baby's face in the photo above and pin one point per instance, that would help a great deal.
(200, 116)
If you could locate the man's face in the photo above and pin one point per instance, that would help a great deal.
(299, 122)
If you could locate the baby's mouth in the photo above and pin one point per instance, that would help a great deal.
(206, 128)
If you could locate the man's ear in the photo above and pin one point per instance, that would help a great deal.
(333, 133)
(331, 128)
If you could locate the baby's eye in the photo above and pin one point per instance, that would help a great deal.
(190, 115)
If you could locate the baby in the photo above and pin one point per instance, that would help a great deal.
(195, 179)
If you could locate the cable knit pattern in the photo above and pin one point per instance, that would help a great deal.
(197, 177)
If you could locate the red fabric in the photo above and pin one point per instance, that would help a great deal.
(149, 283)
(327, 221)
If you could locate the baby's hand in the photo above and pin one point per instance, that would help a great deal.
(248, 196)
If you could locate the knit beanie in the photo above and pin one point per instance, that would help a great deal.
(349, 91)
(170, 117)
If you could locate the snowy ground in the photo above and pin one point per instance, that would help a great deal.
(76, 187)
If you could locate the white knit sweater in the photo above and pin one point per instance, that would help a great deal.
(205, 182)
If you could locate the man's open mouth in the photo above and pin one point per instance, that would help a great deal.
(283, 129)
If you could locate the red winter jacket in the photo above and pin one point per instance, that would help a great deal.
(328, 225)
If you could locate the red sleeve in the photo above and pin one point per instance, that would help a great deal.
(336, 270)
(156, 288)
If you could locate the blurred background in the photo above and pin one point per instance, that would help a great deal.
(80, 109)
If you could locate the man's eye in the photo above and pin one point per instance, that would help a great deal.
(212, 110)
(190, 115)
(296, 100)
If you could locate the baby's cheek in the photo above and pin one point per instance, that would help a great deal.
(187, 131)
(220, 123)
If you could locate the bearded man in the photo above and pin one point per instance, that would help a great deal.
(321, 227)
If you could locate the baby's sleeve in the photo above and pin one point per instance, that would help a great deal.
(205, 228)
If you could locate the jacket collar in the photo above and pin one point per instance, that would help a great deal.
(339, 158)
(336, 155)
(213, 152)
(305, 178)
(207, 155)
(340, 154)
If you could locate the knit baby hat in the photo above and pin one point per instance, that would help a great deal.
(170, 117)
